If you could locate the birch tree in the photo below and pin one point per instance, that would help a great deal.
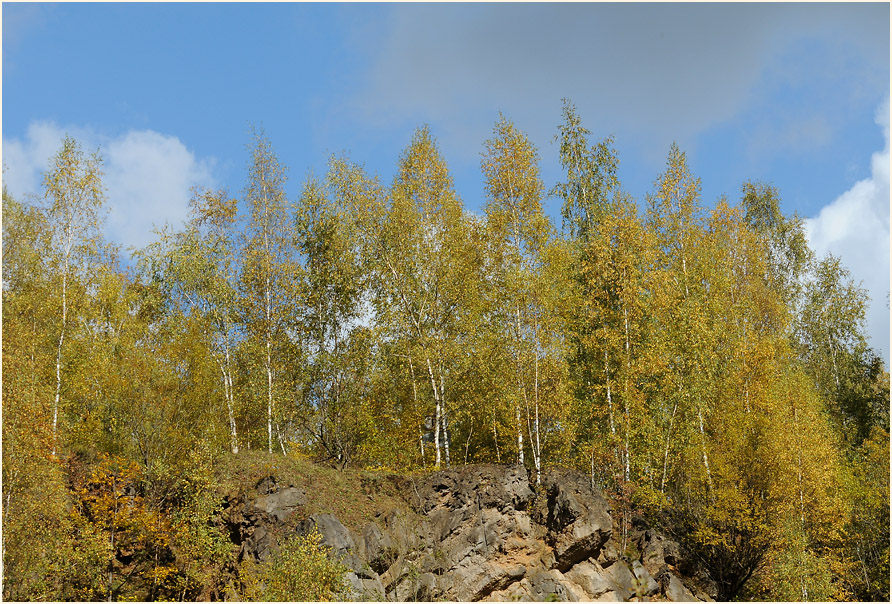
(832, 341)
(681, 296)
(590, 176)
(268, 273)
(425, 267)
(331, 309)
(786, 248)
(521, 233)
(75, 199)
(204, 269)
(417, 246)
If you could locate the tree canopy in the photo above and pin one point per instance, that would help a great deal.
(692, 356)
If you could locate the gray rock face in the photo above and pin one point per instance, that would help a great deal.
(676, 591)
(646, 584)
(486, 486)
(334, 534)
(257, 525)
(479, 532)
(590, 578)
(476, 535)
(377, 548)
(578, 523)
(281, 504)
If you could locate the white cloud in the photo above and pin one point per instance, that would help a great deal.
(148, 175)
(25, 161)
(855, 227)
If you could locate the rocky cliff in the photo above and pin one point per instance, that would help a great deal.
(477, 533)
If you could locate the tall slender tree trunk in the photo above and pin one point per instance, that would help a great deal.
(415, 406)
(230, 397)
(56, 401)
(269, 398)
(521, 389)
(59, 356)
(439, 409)
(519, 434)
(445, 419)
(495, 436)
(446, 437)
(666, 450)
(703, 447)
(609, 395)
(537, 454)
(627, 469)
(269, 359)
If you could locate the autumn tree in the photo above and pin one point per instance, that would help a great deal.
(787, 253)
(337, 344)
(423, 268)
(591, 175)
(267, 275)
(834, 346)
(202, 270)
(522, 236)
(74, 197)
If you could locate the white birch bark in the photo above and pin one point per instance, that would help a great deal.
(537, 452)
(666, 450)
(439, 410)
(445, 420)
(69, 243)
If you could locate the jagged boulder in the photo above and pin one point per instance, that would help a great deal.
(590, 578)
(577, 518)
(282, 504)
(377, 548)
(250, 528)
(486, 486)
(334, 534)
(477, 528)
(646, 584)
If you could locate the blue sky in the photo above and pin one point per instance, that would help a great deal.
(793, 94)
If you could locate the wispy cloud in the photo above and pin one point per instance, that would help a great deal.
(811, 133)
(855, 227)
(148, 175)
(662, 72)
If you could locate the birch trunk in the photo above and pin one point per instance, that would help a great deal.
(415, 405)
(495, 436)
(626, 412)
(269, 398)
(520, 386)
(59, 357)
(537, 453)
(69, 232)
(439, 410)
(609, 397)
(703, 447)
(230, 397)
(666, 451)
(445, 420)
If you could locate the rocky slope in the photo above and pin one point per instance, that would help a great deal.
(478, 533)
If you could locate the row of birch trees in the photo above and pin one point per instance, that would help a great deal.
(696, 361)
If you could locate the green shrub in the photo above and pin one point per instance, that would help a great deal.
(302, 571)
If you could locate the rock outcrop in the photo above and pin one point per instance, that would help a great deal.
(476, 533)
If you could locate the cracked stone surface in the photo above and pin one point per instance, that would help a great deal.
(480, 532)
